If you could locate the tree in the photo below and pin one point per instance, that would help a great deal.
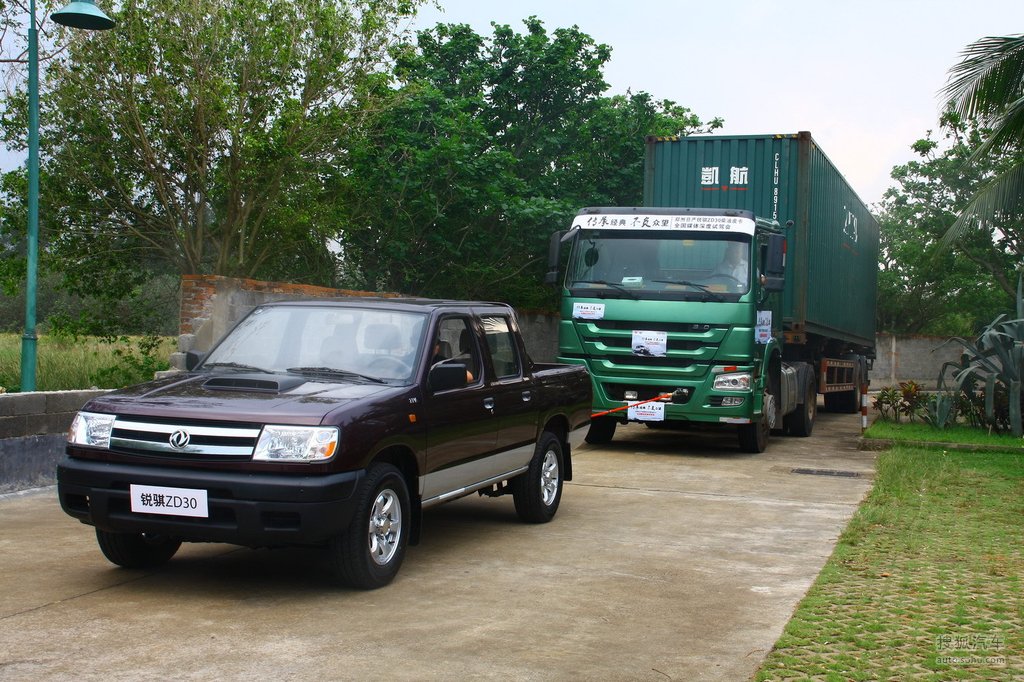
(922, 287)
(988, 85)
(196, 136)
(488, 146)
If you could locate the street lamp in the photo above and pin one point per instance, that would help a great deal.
(79, 14)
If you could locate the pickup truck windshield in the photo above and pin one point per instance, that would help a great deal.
(357, 343)
(659, 264)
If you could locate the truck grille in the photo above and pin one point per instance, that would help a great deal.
(183, 438)
(617, 392)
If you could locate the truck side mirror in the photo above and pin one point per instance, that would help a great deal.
(446, 376)
(192, 359)
(554, 256)
(775, 263)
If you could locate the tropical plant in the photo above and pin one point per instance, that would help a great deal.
(988, 84)
(994, 361)
(940, 409)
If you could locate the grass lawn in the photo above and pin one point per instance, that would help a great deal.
(954, 434)
(926, 581)
(64, 364)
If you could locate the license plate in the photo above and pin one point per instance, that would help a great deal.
(647, 412)
(152, 499)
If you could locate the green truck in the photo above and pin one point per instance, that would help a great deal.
(741, 290)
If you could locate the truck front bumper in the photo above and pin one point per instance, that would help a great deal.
(255, 510)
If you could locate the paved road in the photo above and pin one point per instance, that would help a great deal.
(672, 557)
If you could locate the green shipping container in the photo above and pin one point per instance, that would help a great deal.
(832, 244)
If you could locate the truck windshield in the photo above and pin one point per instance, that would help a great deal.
(659, 264)
(324, 342)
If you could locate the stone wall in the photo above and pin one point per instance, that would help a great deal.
(911, 358)
(32, 434)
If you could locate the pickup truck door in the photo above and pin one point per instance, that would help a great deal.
(462, 428)
(513, 389)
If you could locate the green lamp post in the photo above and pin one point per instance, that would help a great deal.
(82, 14)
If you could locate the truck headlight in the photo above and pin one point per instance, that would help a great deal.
(737, 381)
(89, 428)
(296, 444)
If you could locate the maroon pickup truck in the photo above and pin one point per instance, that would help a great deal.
(330, 423)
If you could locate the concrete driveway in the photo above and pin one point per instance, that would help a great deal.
(672, 557)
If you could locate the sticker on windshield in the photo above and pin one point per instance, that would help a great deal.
(650, 344)
(588, 311)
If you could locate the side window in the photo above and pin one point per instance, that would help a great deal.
(502, 345)
(456, 343)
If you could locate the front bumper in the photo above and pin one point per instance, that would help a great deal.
(255, 510)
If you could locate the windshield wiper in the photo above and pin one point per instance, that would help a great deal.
(334, 372)
(686, 282)
(614, 285)
(237, 365)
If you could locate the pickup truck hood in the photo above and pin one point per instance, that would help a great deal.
(253, 398)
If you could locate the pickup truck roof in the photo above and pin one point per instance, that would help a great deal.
(410, 304)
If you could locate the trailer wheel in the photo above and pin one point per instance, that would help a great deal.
(801, 421)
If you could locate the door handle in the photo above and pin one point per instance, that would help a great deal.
(489, 404)
(527, 396)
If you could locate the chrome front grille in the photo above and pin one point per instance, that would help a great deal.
(186, 438)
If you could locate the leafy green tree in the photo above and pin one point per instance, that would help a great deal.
(924, 288)
(988, 85)
(195, 137)
(486, 146)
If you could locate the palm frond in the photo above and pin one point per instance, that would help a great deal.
(988, 76)
(1004, 195)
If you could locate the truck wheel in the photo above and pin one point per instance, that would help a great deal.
(754, 436)
(601, 430)
(801, 421)
(538, 491)
(136, 550)
(368, 553)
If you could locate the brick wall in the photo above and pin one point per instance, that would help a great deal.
(212, 304)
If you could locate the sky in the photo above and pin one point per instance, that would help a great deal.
(863, 77)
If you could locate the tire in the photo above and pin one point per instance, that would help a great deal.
(538, 491)
(753, 437)
(368, 554)
(136, 550)
(801, 421)
(601, 430)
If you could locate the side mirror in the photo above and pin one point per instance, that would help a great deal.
(554, 256)
(446, 376)
(192, 359)
(774, 278)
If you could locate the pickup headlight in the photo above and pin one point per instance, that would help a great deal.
(737, 381)
(296, 444)
(89, 428)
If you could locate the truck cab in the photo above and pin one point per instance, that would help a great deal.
(673, 311)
